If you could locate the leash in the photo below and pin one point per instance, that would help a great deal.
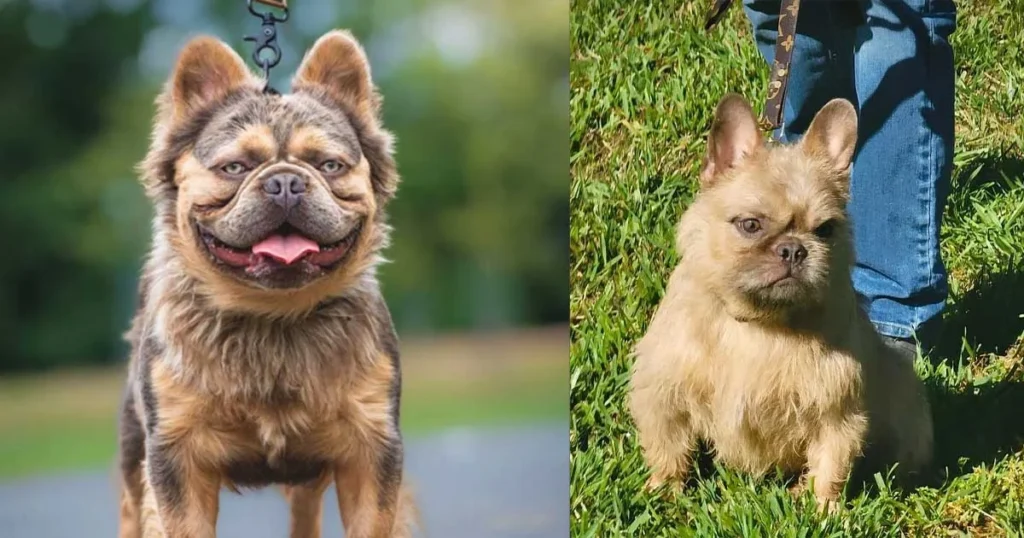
(784, 44)
(267, 38)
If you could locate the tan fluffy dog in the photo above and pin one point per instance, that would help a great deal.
(759, 346)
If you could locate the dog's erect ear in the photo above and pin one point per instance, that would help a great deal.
(207, 70)
(833, 134)
(337, 64)
(734, 135)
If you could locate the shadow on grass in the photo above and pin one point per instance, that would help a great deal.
(988, 174)
(988, 316)
(981, 424)
(972, 427)
(975, 425)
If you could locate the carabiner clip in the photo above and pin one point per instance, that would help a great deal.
(266, 40)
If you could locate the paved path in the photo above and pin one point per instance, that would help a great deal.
(505, 483)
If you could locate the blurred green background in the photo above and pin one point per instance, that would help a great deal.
(476, 92)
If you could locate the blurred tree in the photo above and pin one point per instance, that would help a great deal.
(59, 71)
(484, 203)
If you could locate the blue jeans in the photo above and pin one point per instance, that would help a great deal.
(893, 61)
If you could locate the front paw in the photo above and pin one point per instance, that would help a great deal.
(671, 484)
(827, 502)
(827, 505)
(798, 489)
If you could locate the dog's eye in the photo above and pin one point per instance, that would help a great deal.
(235, 168)
(749, 226)
(825, 230)
(331, 167)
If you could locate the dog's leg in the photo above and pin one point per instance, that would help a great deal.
(368, 485)
(666, 438)
(130, 525)
(186, 498)
(131, 451)
(306, 502)
(151, 525)
(830, 458)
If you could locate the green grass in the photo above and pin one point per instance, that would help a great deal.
(644, 80)
(67, 420)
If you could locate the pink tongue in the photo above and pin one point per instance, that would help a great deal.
(285, 248)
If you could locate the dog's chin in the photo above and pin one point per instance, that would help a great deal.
(272, 270)
(785, 291)
(776, 299)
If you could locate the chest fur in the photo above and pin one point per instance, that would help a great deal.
(256, 427)
(248, 358)
(772, 393)
(289, 447)
(265, 400)
(256, 444)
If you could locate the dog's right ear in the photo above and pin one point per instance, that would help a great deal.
(734, 136)
(207, 70)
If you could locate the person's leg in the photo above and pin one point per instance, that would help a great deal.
(903, 75)
(822, 65)
(901, 174)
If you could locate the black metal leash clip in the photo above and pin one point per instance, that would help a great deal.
(267, 40)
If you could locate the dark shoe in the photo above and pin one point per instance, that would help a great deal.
(905, 348)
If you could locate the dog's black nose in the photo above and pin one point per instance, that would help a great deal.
(791, 252)
(285, 189)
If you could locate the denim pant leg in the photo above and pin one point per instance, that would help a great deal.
(903, 87)
(822, 66)
(901, 176)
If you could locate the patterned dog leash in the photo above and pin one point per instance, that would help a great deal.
(784, 44)
(267, 38)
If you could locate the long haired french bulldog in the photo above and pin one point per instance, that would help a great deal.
(262, 350)
(759, 345)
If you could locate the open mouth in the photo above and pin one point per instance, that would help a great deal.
(286, 246)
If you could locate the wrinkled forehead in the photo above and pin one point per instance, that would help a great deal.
(783, 182)
(280, 126)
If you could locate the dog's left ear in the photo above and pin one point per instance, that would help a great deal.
(833, 134)
(337, 65)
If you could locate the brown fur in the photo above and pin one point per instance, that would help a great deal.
(788, 374)
(244, 378)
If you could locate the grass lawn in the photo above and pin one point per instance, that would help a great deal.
(645, 78)
(67, 420)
